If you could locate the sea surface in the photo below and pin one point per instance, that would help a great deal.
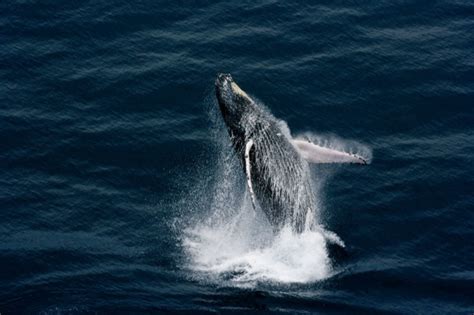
(120, 193)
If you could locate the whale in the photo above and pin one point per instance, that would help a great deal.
(276, 166)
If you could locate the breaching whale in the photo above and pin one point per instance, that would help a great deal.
(275, 165)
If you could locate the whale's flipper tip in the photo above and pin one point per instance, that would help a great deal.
(361, 160)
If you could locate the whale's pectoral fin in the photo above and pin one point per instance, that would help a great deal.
(316, 154)
(248, 147)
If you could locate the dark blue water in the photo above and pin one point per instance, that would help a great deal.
(114, 163)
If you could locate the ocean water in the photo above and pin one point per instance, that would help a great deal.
(119, 191)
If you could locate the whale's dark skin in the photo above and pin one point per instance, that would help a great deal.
(279, 176)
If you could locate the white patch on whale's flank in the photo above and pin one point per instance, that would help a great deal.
(248, 146)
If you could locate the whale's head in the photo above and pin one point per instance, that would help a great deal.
(233, 102)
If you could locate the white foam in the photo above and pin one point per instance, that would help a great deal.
(245, 252)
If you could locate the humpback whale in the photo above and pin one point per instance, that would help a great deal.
(275, 165)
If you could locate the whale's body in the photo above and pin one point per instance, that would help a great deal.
(276, 166)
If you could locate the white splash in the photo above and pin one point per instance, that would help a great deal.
(243, 250)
